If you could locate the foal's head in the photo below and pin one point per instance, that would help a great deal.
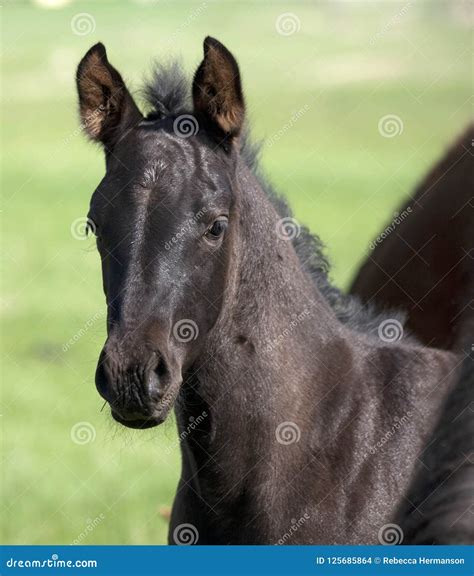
(164, 216)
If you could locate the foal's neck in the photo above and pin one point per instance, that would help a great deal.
(274, 320)
(279, 369)
(269, 344)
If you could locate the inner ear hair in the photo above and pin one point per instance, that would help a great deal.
(217, 90)
(106, 106)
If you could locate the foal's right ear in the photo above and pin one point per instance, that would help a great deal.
(217, 91)
(106, 106)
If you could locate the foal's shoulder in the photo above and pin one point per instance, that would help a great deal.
(415, 377)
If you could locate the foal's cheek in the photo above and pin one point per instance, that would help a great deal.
(216, 286)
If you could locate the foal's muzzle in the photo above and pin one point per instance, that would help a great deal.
(135, 389)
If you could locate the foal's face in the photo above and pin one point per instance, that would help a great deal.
(163, 217)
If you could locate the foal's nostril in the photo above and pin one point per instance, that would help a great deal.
(132, 388)
(102, 382)
(155, 379)
(161, 369)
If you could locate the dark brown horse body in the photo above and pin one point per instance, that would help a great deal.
(438, 506)
(426, 268)
(310, 411)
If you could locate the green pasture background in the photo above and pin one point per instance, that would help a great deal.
(317, 96)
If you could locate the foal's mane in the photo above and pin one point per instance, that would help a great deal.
(168, 94)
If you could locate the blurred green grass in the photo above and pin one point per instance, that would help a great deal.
(349, 65)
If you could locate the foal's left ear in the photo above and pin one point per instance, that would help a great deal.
(217, 91)
(106, 106)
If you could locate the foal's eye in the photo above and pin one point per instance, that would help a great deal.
(217, 229)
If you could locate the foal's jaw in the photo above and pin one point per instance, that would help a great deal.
(158, 416)
(158, 413)
(138, 424)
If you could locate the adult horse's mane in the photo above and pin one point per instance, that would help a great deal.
(168, 93)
